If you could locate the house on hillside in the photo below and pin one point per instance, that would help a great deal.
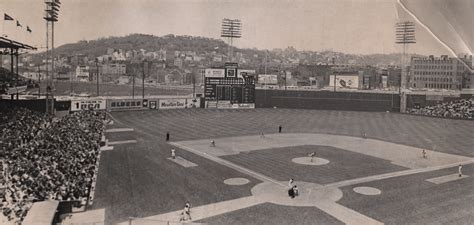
(82, 73)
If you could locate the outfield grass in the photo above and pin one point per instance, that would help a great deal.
(136, 180)
(412, 200)
(443, 135)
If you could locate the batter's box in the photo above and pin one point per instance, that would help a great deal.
(182, 162)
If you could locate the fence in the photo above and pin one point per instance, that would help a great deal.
(353, 101)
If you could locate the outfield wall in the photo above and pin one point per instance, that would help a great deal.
(33, 104)
(325, 100)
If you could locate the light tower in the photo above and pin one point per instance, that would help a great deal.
(404, 35)
(231, 28)
(51, 16)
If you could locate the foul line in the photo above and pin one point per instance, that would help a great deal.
(229, 164)
(394, 174)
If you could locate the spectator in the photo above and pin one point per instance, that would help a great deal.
(463, 109)
(48, 158)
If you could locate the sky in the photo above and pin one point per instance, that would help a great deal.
(349, 26)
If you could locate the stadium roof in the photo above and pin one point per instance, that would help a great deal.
(8, 43)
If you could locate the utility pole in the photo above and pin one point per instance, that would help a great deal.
(39, 82)
(11, 69)
(194, 85)
(133, 85)
(335, 74)
(266, 60)
(97, 71)
(17, 75)
(143, 79)
(70, 84)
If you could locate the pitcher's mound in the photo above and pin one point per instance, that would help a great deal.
(367, 190)
(236, 181)
(307, 161)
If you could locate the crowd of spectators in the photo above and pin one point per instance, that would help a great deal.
(462, 109)
(47, 157)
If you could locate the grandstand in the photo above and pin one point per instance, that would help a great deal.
(49, 159)
(459, 109)
(8, 81)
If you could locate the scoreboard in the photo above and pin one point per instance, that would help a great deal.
(230, 87)
(234, 89)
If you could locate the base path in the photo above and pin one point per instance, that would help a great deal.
(406, 156)
(324, 197)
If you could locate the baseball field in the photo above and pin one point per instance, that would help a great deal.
(367, 168)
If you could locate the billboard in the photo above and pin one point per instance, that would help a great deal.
(88, 104)
(152, 104)
(214, 73)
(344, 81)
(178, 103)
(248, 72)
(231, 69)
(384, 81)
(268, 79)
(124, 104)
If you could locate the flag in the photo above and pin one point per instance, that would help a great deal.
(18, 24)
(7, 17)
(28, 29)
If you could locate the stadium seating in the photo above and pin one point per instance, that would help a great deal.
(461, 109)
(8, 79)
(48, 158)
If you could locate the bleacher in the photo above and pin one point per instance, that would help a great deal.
(43, 163)
(459, 109)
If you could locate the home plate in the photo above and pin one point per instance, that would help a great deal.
(183, 162)
(447, 178)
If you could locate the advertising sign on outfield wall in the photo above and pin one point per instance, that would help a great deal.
(268, 79)
(215, 72)
(344, 81)
(178, 103)
(89, 104)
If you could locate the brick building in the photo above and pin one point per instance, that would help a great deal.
(439, 73)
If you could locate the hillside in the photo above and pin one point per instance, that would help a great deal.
(142, 41)
(211, 47)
